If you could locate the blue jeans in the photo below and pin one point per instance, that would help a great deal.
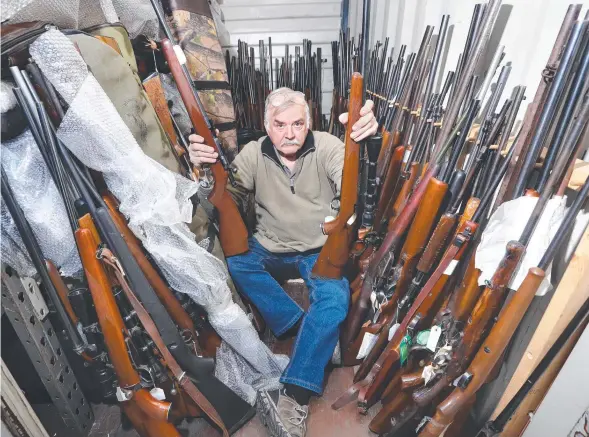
(319, 331)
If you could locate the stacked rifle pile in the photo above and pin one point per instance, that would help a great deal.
(424, 327)
(250, 85)
(143, 345)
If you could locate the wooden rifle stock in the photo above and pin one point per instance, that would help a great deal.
(62, 291)
(381, 423)
(334, 254)
(419, 233)
(148, 415)
(437, 243)
(232, 231)
(209, 340)
(405, 182)
(477, 320)
(155, 91)
(388, 191)
(358, 312)
(487, 356)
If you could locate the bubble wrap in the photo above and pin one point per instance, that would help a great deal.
(136, 15)
(156, 202)
(73, 14)
(41, 202)
(13, 250)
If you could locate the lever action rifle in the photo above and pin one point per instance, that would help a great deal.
(494, 346)
(232, 231)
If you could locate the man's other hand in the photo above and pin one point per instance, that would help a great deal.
(199, 152)
(366, 125)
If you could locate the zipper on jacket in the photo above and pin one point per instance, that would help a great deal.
(292, 185)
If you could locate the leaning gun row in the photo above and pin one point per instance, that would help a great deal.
(427, 326)
(141, 343)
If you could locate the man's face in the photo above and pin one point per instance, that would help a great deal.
(288, 129)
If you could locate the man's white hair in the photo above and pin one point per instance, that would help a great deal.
(282, 98)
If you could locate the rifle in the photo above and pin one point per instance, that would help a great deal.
(557, 352)
(155, 91)
(232, 230)
(549, 110)
(208, 340)
(493, 347)
(533, 112)
(489, 302)
(372, 384)
(334, 254)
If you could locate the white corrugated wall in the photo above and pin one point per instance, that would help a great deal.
(528, 37)
(286, 22)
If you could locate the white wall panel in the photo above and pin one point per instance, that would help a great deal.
(286, 22)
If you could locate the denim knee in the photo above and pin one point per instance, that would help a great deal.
(339, 300)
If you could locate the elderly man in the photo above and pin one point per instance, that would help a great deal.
(294, 174)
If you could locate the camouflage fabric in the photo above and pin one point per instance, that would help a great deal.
(198, 38)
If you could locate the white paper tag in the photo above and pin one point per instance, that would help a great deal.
(123, 395)
(393, 330)
(428, 373)
(180, 54)
(406, 155)
(351, 220)
(158, 393)
(367, 344)
(434, 337)
(451, 267)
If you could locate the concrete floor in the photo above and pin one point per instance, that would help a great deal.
(323, 420)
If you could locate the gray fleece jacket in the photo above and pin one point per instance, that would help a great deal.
(290, 206)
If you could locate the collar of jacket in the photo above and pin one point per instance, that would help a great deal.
(269, 151)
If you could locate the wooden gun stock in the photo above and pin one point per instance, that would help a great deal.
(358, 311)
(389, 191)
(334, 254)
(232, 231)
(209, 340)
(406, 183)
(477, 319)
(419, 233)
(487, 356)
(155, 91)
(381, 423)
(62, 291)
(490, 301)
(437, 243)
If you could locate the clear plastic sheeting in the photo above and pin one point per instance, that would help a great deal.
(13, 250)
(137, 16)
(235, 371)
(508, 223)
(72, 14)
(157, 204)
(41, 204)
